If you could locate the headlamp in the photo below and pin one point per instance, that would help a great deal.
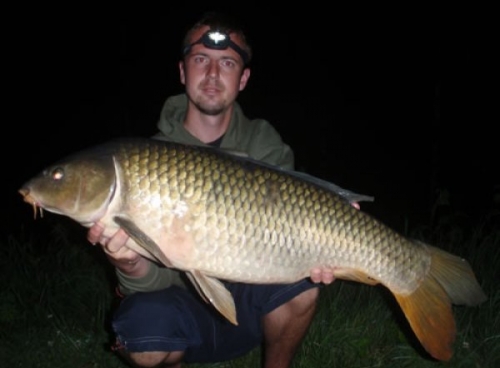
(217, 40)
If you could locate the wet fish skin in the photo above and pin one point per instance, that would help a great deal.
(217, 216)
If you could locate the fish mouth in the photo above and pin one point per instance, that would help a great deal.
(28, 198)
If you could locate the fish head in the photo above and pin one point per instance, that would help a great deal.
(79, 187)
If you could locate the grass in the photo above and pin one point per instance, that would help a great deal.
(56, 297)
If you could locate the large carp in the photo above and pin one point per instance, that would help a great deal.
(219, 216)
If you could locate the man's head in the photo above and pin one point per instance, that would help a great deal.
(220, 27)
(215, 61)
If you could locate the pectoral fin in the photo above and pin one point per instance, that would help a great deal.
(147, 244)
(214, 292)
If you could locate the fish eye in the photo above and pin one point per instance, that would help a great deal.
(57, 173)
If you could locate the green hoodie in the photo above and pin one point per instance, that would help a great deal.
(256, 138)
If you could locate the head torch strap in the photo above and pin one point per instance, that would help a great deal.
(217, 40)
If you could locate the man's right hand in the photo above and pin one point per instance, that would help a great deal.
(122, 257)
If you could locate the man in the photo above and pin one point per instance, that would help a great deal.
(161, 321)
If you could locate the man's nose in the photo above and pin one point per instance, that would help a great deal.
(213, 69)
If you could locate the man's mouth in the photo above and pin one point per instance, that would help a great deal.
(211, 90)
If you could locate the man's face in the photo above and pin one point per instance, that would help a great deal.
(213, 78)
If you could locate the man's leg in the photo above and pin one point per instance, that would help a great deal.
(154, 329)
(286, 326)
(150, 325)
(163, 328)
(154, 359)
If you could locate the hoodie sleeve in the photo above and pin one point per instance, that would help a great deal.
(157, 278)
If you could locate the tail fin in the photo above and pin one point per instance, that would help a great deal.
(428, 309)
(456, 277)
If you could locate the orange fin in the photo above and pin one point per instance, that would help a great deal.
(428, 309)
(352, 274)
(214, 292)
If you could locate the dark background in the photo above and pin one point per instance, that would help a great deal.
(394, 102)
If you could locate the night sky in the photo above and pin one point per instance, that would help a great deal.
(390, 102)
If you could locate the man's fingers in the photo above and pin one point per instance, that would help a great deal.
(322, 275)
(316, 275)
(94, 234)
(116, 242)
(125, 259)
(327, 277)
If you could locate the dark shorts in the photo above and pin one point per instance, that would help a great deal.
(176, 319)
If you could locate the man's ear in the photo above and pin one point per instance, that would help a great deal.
(245, 76)
(182, 73)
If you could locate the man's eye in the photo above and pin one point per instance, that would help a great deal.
(200, 59)
(228, 63)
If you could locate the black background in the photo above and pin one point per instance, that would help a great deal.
(393, 102)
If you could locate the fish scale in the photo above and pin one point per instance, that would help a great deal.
(266, 193)
(220, 216)
(266, 203)
(322, 210)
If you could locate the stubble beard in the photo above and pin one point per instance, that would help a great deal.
(209, 107)
(210, 104)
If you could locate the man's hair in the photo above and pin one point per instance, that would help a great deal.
(222, 22)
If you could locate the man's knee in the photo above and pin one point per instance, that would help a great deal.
(286, 326)
(304, 303)
(300, 307)
(150, 359)
(308, 297)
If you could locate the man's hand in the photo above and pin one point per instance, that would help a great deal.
(122, 257)
(324, 275)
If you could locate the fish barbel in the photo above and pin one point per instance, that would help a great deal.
(219, 216)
